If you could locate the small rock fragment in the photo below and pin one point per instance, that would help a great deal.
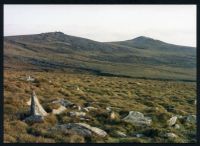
(121, 134)
(77, 114)
(59, 110)
(172, 121)
(171, 135)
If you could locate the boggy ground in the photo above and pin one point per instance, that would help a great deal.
(159, 100)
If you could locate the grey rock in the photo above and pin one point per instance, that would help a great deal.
(60, 110)
(37, 112)
(108, 109)
(191, 119)
(30, 79)
(113, 116)
(89, 108)
(172, 121)
(64, 102)
(177, 126)
(139, 135)
(96, 130)
(77, 114)
(171, 135)
(72, 128)
(34, 119)
(195, 102)
(79, 108)
(80, 128)
(137, 118)
(121, 134)
(36, 107)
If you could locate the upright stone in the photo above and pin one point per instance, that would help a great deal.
(36, 108)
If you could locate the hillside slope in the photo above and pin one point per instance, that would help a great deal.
(141, 57)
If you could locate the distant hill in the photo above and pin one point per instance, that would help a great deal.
(141, 57)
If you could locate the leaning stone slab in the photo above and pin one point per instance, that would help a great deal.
(137, 118)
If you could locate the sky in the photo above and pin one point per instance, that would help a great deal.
(170, 23)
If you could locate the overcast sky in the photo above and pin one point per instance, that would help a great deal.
(170, 23)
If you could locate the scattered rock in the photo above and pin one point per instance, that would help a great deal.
(137, 118)
(177, 126)
(84, 119)
(180, 116)
(172, 121)
(191, 119)
(138, 83)
(77, 114)
(96, 130)
(72, 128)
(85, 109)
(171, 135)
(139, 135)
(89, 108)
(59, 110)
(79, 108)
(113, 116)
(30, 79)
(80, 128)
(121, 134)
(108, 109)
(64, 102)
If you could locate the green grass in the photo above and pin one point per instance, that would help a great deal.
(151, 97)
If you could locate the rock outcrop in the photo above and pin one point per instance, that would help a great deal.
(137, 118)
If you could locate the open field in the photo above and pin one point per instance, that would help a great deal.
(159, 100)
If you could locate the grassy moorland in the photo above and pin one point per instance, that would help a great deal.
(159, 100)
(140, 57)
